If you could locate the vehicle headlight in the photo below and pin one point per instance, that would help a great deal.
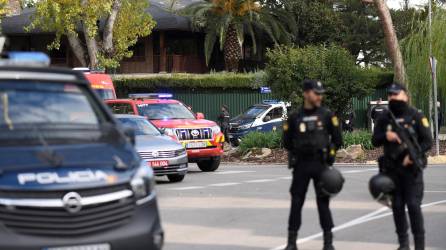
(170, 132)
(245, 126)
(216, 129)
(143, 183)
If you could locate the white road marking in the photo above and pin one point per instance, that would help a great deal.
(359, 171)
(234, 172)
(434, 191)
(186, 188)
(224, 184)
(260, 181)
(285, 178)
(363, 219)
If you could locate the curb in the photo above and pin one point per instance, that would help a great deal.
(359, 165)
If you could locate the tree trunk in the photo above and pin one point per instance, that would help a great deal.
(92, 48)
(78, 49)
(391, 40)
(232, 50)
(108, 29)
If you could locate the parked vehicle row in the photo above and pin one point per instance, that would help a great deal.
(70, 177)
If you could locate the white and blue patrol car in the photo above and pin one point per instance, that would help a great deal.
(264, 117)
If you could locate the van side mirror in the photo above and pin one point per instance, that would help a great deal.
(200, 116)
(130, 133)
(267, 118)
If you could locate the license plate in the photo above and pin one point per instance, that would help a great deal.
(83, 247)
(199, 144)
(159, 163)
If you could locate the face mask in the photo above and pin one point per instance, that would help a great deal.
(397, 107)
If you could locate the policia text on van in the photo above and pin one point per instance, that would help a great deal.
(69, 176)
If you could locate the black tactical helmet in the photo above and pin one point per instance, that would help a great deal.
(331, 181)
(381, 188)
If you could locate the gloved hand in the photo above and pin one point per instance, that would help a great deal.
(331, 157)
(292, 160)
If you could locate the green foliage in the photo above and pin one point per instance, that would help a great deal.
(287, 67)
(271, 140)
(415, 49)
(217, 17)
(358, 137)
(64, 17)
(125, 85)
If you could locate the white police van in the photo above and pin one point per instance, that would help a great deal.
(264, 117)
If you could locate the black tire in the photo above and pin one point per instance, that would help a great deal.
(209, 165)
(176, 177)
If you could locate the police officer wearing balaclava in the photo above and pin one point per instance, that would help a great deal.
(399, 166)
(311, 136)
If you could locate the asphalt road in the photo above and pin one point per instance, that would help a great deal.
(246, 207)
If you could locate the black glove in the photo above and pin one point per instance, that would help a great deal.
(292, 160)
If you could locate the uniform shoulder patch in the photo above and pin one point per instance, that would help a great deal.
(335, 121)
(425, 122)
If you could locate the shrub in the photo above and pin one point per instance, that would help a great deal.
(287, 67)
(273, 140)
(148, 83)
(358, 137)
(252, 140)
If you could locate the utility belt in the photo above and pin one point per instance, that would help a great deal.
(324, 156)
(388, 164)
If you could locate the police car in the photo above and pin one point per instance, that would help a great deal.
(70, 177)
(264, 117)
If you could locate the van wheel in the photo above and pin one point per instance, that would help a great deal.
(176, 177)
(209, 165)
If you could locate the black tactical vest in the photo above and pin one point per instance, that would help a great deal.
(408, 121)
(311, 135)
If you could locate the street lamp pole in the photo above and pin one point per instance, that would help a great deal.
(433, 102)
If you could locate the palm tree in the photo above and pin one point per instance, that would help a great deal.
(228, 21)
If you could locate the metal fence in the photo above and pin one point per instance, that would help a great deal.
(209, 101)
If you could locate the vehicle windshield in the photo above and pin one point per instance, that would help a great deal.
(105, 93)
(162, 111)
(140, 125)
(254, 111)
(33, 107)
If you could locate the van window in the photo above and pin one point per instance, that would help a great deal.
(121, 108)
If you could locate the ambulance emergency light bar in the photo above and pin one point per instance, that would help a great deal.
(151, 96)
(25, 59)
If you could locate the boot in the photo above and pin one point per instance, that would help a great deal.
(419, 243)
(292, 238)
(328, 241)
(404, 242)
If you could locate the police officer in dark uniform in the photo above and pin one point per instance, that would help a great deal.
(398, 164)
(377, 111)
(311, 136)
(223, 120)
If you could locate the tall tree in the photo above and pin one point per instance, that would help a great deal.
(391, 40)
(228, 21)
(100, 32)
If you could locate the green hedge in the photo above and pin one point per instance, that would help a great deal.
(252, 140)
(376, 77)
(144, 83)
(273, 140)
(358, 137)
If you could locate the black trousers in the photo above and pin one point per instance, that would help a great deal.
(409, 193)
(302, 174)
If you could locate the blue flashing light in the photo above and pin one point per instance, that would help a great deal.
(27, 58)
(151, 96)
(265, 90)
(270, 102)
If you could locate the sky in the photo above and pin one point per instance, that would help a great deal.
(396, 4)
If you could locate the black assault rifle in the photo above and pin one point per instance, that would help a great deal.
(409, 142)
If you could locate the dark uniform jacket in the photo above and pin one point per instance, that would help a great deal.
(411, 118)
(309, 132)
